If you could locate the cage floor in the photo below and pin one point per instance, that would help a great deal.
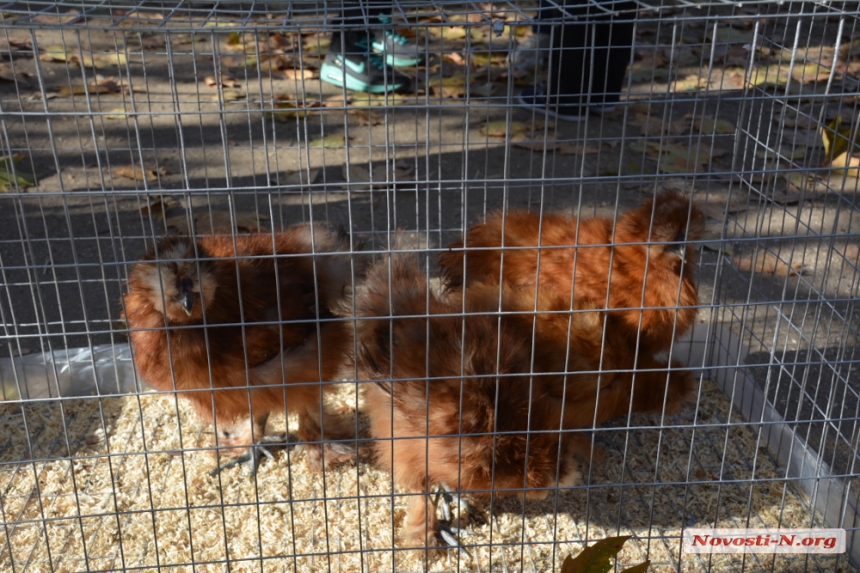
(95, 501)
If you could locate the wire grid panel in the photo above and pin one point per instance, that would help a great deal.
(123, 122)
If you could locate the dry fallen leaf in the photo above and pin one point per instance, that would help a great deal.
(159, 205)
(709, 125)
(451, 87)
(299, 74)
(360, 177)
(676, 158)
(367, 117)
(766, 263)
(336, 100)
(648, 124)
(359, 99)
(226, 81)
(147, 173)
(229, 95)
(533, 144)
(850, 254)
(56, 19)
(286, 111)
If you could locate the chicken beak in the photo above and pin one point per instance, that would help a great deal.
(680, 251)
(186, 299)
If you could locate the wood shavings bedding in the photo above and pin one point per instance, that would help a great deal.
(143, 499)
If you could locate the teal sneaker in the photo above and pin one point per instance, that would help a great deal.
(397, 49)
(360, 69)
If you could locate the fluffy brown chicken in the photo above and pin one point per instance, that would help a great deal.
(600, 265)
(241, 333)
(463, 381)
(595, 381)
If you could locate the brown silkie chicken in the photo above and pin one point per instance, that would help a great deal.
(463, 381)
(237, 332)
(610, 268)
(662, 272)
(598, 385)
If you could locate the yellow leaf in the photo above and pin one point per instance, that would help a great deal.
(226, 81)
(117, 113)
(845, 164)
(499, 128)
(837, 139)
(107, 60)
(286, 111)
(229, 95)
(689, 84)
(336, 140)
(595, 559)
(373, 100)
(10, 181)
(450, 87)
(448, 32)
(709, 125)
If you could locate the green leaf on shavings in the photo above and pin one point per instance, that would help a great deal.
(595, 559)
(18, 180)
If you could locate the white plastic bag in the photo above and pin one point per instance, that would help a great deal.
(106, 370)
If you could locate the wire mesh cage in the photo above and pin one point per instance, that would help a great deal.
(331, 227)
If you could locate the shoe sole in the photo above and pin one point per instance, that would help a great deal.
(335, 76)
(548, 112)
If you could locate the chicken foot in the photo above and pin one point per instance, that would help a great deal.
(253, 456)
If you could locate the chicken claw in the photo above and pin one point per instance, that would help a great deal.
(253, 456)
(474, 514)
(447, 536)
(250, 459)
